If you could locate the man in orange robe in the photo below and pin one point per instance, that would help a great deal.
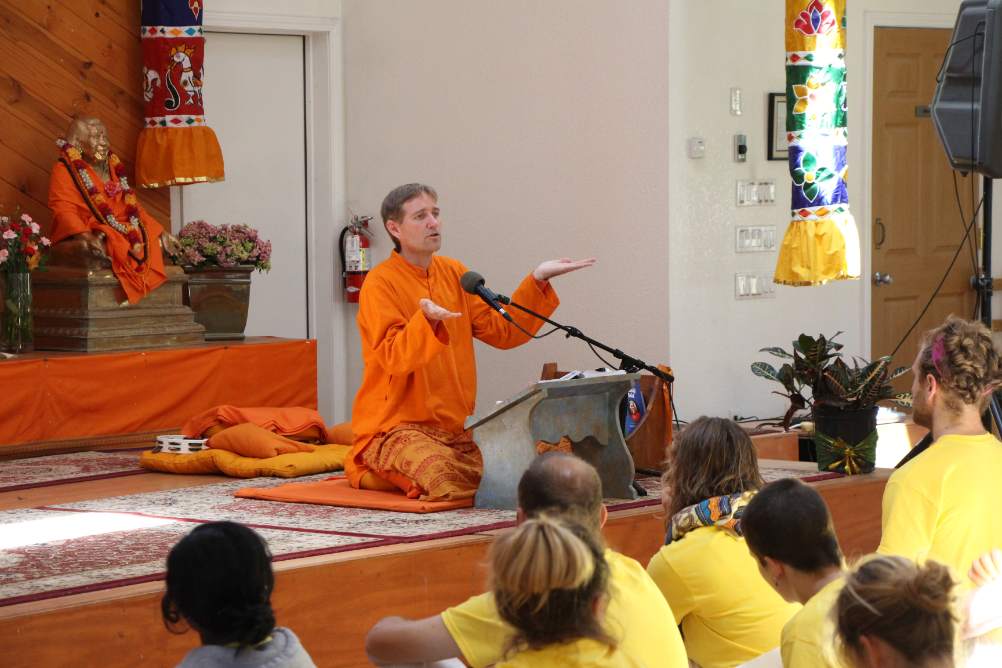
(76, 221)
(420, 381)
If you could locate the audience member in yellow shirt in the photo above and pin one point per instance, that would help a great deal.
(892, 613)
(636, 614)
(550, 582)
(727, 612)
(789, 532)
(931, 504)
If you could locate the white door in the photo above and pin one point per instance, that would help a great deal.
(255, 102)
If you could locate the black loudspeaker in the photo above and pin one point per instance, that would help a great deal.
(967, 106)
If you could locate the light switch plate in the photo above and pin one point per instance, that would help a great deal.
(756, 192)
(753, 285)
(755, 239)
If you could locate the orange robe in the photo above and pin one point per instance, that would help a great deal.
(71, 216)
(419, 377)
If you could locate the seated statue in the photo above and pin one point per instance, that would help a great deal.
(98, 222)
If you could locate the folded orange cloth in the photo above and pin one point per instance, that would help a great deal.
(291, 422)
(338, 492)
(251, 440)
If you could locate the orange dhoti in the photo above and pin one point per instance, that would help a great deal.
(426, 463)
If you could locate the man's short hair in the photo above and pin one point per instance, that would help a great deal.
(561, 484)
(393, 204)
(789, 522)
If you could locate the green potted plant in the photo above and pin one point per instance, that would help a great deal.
(842, 398)
(219, 261)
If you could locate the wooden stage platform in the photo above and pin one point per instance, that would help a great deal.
(330, 601)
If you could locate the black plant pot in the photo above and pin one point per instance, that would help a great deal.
(854, 428)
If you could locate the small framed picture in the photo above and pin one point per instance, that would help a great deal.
(777, 146)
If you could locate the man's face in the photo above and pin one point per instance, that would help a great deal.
(419, 229)
(95, 142)
(921, 405)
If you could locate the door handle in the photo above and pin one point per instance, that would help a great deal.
(882, 279)
(880, 235)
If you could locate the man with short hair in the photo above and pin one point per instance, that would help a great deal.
(637, 615)
(417, 327)
(789, 531)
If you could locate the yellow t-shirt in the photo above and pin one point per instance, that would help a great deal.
(729, 614)
(586, 653)
(636, 616)
(808, 639)
(938, 505)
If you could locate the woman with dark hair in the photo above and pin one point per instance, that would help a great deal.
(219, 581)
(892, 613)
(727, 612)
(550, 583)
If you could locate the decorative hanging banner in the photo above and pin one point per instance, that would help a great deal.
(821, 244)
(175, 147)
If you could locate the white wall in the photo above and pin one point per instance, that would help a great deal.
(544, 127)
(560, 127)
(714, 337)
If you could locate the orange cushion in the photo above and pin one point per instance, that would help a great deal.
(323, 459)
(250, 440)
(338, 492)
(340, 433)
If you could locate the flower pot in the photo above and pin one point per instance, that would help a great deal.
(846, 440)
(219, 297)
(16, 334)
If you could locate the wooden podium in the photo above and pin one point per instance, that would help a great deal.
(584, 410)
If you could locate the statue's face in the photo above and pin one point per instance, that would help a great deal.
(94, 142)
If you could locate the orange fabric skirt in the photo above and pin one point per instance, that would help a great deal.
(426, 463)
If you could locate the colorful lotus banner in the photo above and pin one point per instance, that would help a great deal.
(822, 243)
(175, 147)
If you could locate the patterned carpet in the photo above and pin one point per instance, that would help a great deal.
(62, 469)
(71, 548)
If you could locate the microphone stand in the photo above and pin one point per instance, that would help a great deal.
(627, 362)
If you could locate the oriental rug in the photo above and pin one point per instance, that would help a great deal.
(60, 550)
(61, 469)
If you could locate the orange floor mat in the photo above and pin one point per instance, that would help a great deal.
(337, 492)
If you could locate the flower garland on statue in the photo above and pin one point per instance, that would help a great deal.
(135, 232)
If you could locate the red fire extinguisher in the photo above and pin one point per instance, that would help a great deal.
(356, 260)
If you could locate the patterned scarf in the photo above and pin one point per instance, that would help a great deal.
(722, 511)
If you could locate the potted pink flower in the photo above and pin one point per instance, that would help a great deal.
(219, 261)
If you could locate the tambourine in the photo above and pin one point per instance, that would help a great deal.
(178, 444)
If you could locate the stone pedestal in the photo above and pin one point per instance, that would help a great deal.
(86, 311)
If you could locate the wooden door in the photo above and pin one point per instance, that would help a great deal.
(916, 225)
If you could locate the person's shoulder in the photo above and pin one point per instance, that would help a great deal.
(481, 606)
(450, 264)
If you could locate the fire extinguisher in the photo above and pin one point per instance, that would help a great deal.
(356, 260)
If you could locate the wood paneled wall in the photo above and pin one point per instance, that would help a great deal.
(58, 59)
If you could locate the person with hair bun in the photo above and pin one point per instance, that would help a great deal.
(727, 612)
(934, 505)
(892, 613)
(219, 582)
(550, 583)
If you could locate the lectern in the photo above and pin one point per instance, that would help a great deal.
(585, 410)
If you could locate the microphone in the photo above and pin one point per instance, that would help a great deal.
(473, 283)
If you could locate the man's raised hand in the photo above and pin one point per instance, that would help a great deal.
(547, 270)
(434, 312)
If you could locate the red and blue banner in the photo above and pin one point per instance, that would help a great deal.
(176, 146)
